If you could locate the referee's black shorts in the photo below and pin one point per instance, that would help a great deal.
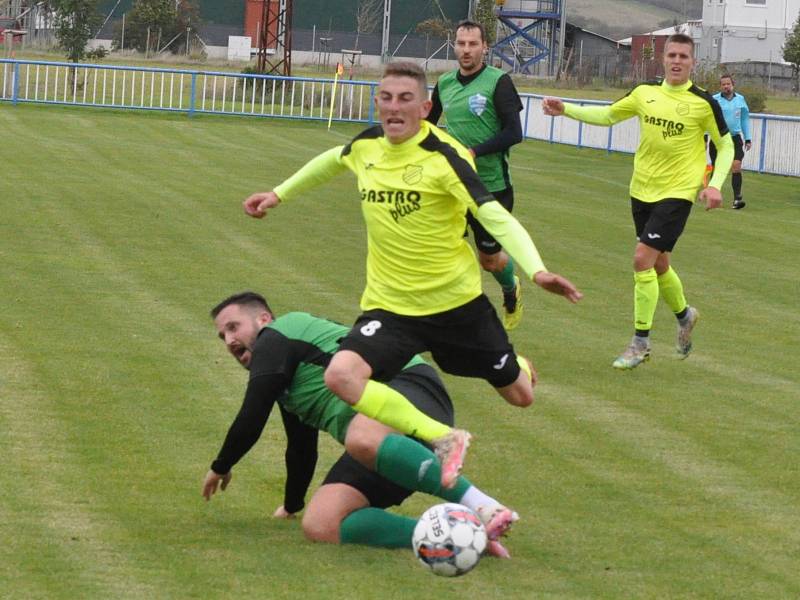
(423, 387)
(738, 149)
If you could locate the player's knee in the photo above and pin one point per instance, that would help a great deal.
(363, 446)
(340, 381)
(523, 397)
(519, 393)
(334, 378)
(346, 376)
(320, 530)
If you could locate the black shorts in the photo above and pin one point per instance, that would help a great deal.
(484, 241)
(660, 224)
(423, 387)
(468, 341)
(738, 149)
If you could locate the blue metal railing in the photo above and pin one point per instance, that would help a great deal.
(776, 143)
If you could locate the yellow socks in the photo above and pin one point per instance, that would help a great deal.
(645, 298)
(671, 288)
(382, 403)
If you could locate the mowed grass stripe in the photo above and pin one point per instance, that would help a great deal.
(623, 479)
(71, 545)
(635, 461)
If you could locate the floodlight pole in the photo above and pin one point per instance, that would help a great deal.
(387, 23)
(562, 32)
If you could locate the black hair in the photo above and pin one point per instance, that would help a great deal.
(467, 24)
(242, 299)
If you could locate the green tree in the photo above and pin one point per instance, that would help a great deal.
(152, 25)
(75, 24)
(791, 54)
(438, 28)
(484, 14)
(369, 15)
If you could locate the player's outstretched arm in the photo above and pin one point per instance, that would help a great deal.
(556, 284)
(212, 482)
(605, 115)
(257, 205)
(519, 245)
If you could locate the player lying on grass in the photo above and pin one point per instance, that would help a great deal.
(423, 287)
(286, 358)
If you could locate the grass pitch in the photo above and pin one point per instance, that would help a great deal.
(118, 233)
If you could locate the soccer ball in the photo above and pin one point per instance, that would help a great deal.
(449, 539)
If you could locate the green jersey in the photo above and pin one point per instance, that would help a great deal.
(287, 366)
(472, 118)
(670, 161)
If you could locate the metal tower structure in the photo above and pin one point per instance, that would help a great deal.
(275, 38)
(536, 34)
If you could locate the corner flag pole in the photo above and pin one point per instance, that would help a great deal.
(339, 71)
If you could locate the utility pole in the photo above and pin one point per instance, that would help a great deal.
(562, 32)
(387, 24)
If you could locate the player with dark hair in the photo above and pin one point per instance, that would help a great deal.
(737, 117)
(668, 171)
(286, 357)
(423, 287)
(481, 107)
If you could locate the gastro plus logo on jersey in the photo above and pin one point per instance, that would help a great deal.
(477, 104)
(403, 202)
(668, 128)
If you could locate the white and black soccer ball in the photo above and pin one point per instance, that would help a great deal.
(449, 539)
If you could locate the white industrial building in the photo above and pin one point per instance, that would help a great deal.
(735, 31)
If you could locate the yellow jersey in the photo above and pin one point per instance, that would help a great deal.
(414, 198)
(670, 161)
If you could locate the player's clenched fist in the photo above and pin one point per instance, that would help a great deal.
(552, 107)
(258, 204)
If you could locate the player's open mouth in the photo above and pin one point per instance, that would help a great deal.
(394, 121)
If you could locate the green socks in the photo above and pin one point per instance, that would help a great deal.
(671, 288)
(506, 277)
(376, 527)
(411, 465)
(645, 299)
(382, 403)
